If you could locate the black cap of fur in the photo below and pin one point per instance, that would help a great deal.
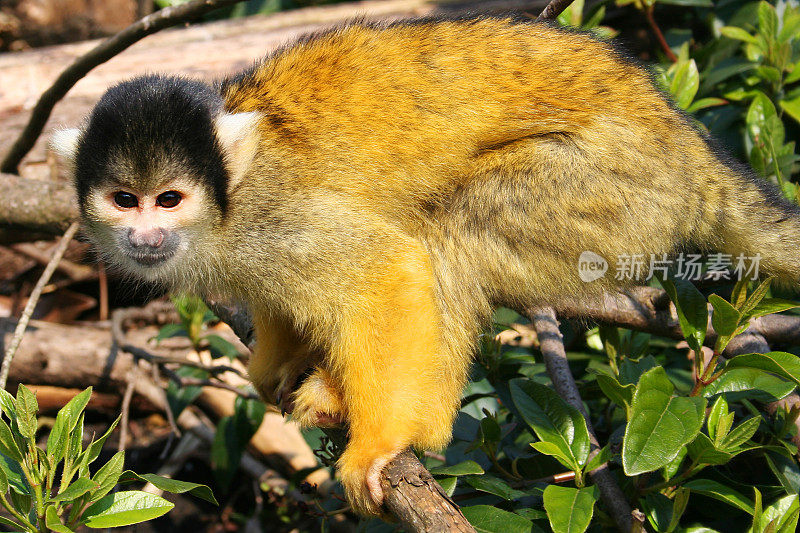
(152, 119)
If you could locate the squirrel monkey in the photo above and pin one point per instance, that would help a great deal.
(372, 191)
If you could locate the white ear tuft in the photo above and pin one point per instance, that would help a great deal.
(64, 142)
(235, 127)
(238, 135)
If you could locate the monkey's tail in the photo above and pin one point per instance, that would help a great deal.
(757, 226)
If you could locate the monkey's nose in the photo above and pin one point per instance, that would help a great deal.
(149, 237)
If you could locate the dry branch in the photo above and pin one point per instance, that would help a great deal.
(36, 206)
(555, 358)
(554, 9)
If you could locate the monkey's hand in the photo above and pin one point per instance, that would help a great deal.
(317, 402)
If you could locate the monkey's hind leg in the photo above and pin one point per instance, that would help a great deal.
(279, 360)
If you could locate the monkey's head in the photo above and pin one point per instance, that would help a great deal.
(153, 168)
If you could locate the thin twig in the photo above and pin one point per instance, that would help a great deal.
(555, 358)
(32, 300)
(120, 316)
(553, 9)
(164, 18)
(126, 409)
(648, 13)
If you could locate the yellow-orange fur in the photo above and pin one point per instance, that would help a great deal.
(403, 179)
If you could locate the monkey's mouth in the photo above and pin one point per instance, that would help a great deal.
(152, 258)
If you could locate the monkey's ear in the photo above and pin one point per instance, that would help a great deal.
(238, 135)
(64, 142)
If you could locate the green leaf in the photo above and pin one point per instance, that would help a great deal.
(659, 510)
(125, 508)
(52, 521)
(723, 493)
(27, 407)
(732, 32)
(179, 397)
(767, 21)
(108, 476)
(569, 510)
(660, 425)
(725, 318)
(464, 468)
(781, 516)
(691, 308)
(14, 475)
(226, 451)
(75, 441)
(552, 419)
(15, 527)
(493, 485)
(247, 417)
(719, 420)
(685, 82)
(65, 422)
(169, 331)
(93, 450)
(630, 371)
(448, 484)
(554, 450)
(670, 469)
(758, 114)
(757, 511)
(703, 451)
(783, 364)
(679, 503)
(171, 485)
(8, 445)
(220, 347)
(705, 103)
(488, 519)
(621, 395)
(753, 383)
(768, 306)
(740, 434)
(8, 404)
(792, 107)
(603, 456)
(77, 488)
(786, 470)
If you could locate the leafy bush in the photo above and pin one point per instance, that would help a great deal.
(38, 503)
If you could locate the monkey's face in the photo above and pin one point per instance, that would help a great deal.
(148, 231)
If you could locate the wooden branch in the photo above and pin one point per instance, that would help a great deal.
(36, 205)
(551, 344)
(649, 310)
(164, 18)
(554, 9)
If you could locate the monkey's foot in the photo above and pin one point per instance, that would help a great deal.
(317, 403)
(362, 481)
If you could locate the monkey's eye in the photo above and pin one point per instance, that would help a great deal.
(125, 199)
(169, 199)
